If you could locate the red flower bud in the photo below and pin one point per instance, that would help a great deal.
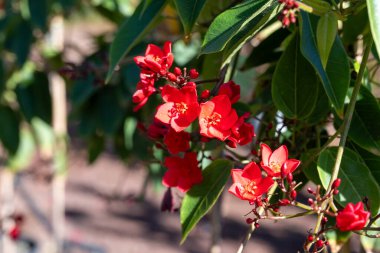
(324, 220)
(319, 243)
(205, 94)
(177, 71)
(310, 238)
(172, 77)
(193, 73)
(310, 201)
(15, 232)
(284, 202)
(249, 220)
(309, 190)
(336, 192)
(293, 195)
(336, 183)
(257, 225)
(289, 178)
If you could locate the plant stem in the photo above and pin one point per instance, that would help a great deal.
(252, 226)
(346, 126)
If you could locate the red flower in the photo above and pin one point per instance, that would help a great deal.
(232, 90)
(182, 172)
(217, 118)
(177, 141)
(352, 217)
(276, 163)
(157, 130)
(181, 107)
(242, 133)
(248, 183)
(155, 59)
(15, 232)
(145, 88)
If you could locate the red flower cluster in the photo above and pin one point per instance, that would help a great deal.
(352, 217)
(289, 12)
(250, 185)
(181, 107)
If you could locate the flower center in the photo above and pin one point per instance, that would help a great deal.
(213, 119)
(249, 189)
(178, 108)
(275, 166)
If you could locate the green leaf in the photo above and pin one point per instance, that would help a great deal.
(248, 31)
(188, 11)
(373, 7)
(357, 180)
(230, 22)
(200, 198)
(295, 84)
(322, 107)
(95, 146)
(267, 51)
(10, 129)
(334, 82)
(25, 151)
(133, 30)
(39, 13)
(354, 26)
(34, 97)
(364, 130)
(326, 32)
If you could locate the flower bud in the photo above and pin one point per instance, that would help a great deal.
(336, 192)
(310, 238)
(309, 190)
(249, 220)
(324, 220)
(284, 202)
(310, 201)
(336, 183)
(171, 77)
(319, 243)
(257, 225)
(177, 71)
(289, 178)
(293, 195)
(205, 94)
(193, 73)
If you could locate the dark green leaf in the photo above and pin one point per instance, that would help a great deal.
(326, 33)
(19, 40)
(372, 161)
(322, 107)
(34, 98)
(373, 7)
(310, 171)
(295, 84)
(354, 26)
(267, 51)
(334, 82)
(133, 30)
(188, 11)
(200, 198)
(39, 13)
(230, 22)
(10, 129)
(82, 90)
(364, 129)
(95, 146)
(357, 180)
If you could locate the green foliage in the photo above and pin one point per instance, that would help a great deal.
(357, 180)
(133, 30)
(295, 84)
(10, 129)
(326, 33)
(200, 198)
(373, 7)
(188, 11)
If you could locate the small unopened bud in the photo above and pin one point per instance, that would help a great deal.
(310, 201)
(249, 220)
(310, 238)
(293, 194)
(336, 192)
(177, 71)
(324, 220)
(336, 183)
(309, 190)
(284, 202)
(327, 243)
(257, 225)
(172, 77)
(193, 73)
(319, 243)
(205, 94)
(289, 178)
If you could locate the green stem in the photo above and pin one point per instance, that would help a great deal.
(346, 127)
(252, 227)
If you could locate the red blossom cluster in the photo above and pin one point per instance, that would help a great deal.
(216, 117)
(289, 12)
(352, 217)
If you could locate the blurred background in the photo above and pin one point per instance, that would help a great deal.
(75, 171)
